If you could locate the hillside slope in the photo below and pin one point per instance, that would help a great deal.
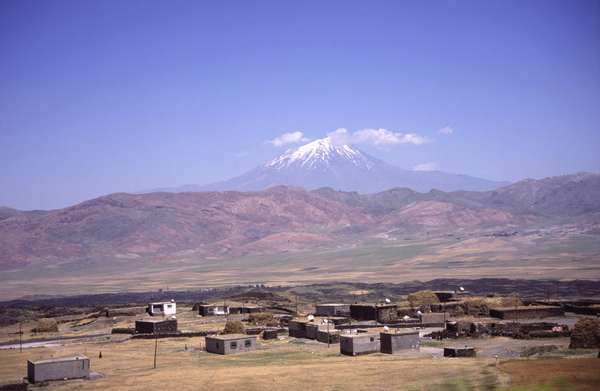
(164, 225)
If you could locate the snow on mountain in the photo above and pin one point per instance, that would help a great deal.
(323, 163)
(321, 153)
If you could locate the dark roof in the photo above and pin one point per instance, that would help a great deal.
(376, 305)
(525, 308)
(331, 304)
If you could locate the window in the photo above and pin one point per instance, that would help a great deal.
(169, 306)
(233, 345)
(248, 343)
(372, 339)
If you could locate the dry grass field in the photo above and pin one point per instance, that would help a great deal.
(277, 365)
(579, 374)
(291, 364)
(552, 254)
(294, 366)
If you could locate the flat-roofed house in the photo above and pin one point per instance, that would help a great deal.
(156, 326)
(74, 367)
(527, 312)
(245, 309)
(162, 308)
(212, 310)
(332, 309)
(357, 344)
(313, 328)
(466, 351)
(297, 328)
(331, 336)
(399, 341)
(433, 318)
(382, 313)
(230, 343)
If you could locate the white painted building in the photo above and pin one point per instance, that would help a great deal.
(162, 308)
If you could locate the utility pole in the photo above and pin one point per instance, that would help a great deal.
(155, 347)
(296, 305)
(328, 336)
(20, 337)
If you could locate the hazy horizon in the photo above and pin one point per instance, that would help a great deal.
(103, 97)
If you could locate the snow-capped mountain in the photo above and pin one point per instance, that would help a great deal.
(322, 154)
(322, 163)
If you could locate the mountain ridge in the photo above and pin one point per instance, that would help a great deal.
(206, 224)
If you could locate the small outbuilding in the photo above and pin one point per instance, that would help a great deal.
(246, 309)
(230, 343)
(397, 342)
(527, 312)
(332, 309)
(313, 328)
(297, 328)
(75, 367)
(162, 308)
(331, 336)
(270, 334)
(357, 344)
(158, 326)
(382, 313)
(466, 351)
(212, 310)
(433, 319)
(444, 296)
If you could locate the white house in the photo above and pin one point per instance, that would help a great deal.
(162, 308)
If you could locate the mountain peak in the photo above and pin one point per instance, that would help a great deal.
(326, 163)
(321, 153)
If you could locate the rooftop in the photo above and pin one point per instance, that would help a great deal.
(377, 305)
(401, 332)
(332, 304)
(525, 307)
(228, 337)
(59, 359)
(360, 335)
(154, 320)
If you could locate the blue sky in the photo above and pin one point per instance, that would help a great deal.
(105, 96)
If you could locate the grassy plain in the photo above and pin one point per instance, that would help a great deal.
(300, 366)
(534, 254)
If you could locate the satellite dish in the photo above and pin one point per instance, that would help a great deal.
(419, 313)
(406, 317)
(310, 317)
(461, 289)
(386, 328)
(172, 300)
(387, 300)
(173, 317)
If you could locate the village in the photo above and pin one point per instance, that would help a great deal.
(480, 337)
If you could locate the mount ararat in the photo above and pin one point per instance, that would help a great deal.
(325, 163)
